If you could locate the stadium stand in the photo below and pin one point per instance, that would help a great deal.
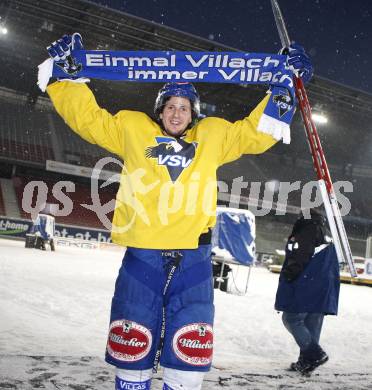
(27, 134)
(80, 216)
(24, 134)
(25, 151)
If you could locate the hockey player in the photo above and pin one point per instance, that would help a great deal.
(162, 309)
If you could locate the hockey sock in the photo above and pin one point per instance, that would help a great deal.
(122, 384)
(182, 380)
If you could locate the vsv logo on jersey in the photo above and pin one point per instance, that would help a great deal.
(174, 161)
(176, 155)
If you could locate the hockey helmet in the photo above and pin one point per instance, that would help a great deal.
(185, 90)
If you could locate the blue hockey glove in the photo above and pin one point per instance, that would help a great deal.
(60, 52)
(299, 61)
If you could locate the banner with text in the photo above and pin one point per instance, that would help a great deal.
(177, 66)
(16, 227)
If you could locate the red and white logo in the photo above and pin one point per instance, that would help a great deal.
(128, 341)
(193, 344)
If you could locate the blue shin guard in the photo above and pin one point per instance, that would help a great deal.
(122, 384)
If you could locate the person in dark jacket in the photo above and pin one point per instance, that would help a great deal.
(308, 288)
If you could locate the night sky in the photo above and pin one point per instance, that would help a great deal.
(336, 33)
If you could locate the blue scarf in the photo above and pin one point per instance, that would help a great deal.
(176, 66)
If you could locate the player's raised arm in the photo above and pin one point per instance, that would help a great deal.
(76, 104)
(269, 122)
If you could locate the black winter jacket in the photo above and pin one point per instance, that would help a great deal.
(306, 235)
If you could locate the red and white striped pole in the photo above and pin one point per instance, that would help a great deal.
(334, 217)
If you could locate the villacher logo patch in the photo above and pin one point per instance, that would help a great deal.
(193, 344)
(176, 155)
(128, 341)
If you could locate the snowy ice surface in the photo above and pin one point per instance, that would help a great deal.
(55, 307)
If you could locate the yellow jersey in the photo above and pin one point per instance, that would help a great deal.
(168, 187)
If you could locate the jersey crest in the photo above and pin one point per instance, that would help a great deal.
(175, 154)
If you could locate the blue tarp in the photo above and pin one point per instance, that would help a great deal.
(235, 232)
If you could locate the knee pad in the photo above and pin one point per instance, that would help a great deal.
(182, 380)
(133, 379)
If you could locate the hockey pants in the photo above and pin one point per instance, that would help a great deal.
(137, 312)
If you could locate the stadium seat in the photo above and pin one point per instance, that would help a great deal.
(80, 216)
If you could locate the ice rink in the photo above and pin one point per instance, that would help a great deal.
(55, 313)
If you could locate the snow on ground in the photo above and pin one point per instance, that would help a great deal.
(55, 312)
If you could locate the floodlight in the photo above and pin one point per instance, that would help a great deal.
(319, 118)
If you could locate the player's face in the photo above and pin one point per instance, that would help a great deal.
(176, 115)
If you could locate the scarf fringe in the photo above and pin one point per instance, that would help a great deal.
(45, 72)
(274, 127)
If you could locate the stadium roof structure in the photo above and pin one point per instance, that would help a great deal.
(33, 24)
